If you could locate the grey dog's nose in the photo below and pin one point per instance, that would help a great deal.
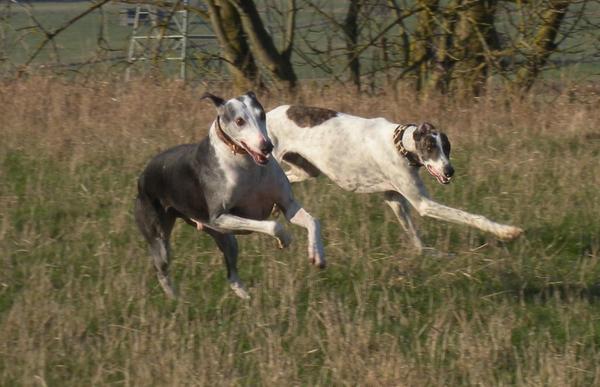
(266, 148)
(448, 171)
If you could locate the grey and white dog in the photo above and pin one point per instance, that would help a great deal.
(224, 185)
(372, 155)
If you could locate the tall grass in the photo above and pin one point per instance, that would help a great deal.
(80, 305)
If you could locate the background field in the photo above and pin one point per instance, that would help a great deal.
(80, 305)
(101, 41)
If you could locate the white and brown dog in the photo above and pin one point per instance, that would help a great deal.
(372, 155)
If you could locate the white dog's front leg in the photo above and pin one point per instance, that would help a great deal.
(413, 189)
(298, 215)
(399, 206)
(234, 223)
(428, 207)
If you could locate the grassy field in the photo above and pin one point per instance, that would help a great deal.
(80, 305)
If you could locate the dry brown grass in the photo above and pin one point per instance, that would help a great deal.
(79, 303)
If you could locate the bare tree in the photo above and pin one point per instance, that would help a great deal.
(277, 61)
(351, 31)
(543, 44)
(452, 46)
(226, 24)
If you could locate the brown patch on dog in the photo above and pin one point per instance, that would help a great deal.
(306, 116)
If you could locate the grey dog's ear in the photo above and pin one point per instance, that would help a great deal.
(217, 101)
(251, 94)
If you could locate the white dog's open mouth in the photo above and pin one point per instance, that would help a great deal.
(439, 176)
(258, 157)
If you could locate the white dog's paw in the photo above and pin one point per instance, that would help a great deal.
(509, 233)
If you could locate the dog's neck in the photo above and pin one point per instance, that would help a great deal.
(223, 145)
(405, 143)
(218, 135)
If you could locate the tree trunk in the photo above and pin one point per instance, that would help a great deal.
(351, 32)
(422, 45)
(543, 44)
(277, 62)
(227, 26)
(475, 38)
(441, 73)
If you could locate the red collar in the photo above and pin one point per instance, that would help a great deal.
(233, 147)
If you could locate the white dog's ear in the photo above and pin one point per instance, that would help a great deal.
(422, 130)
(251, 95)
(427, 127)
(217, 101)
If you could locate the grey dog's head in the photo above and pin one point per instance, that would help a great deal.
(242, 119)
(433, 151)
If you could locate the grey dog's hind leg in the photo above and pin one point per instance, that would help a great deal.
(156, 226)
(228, 246)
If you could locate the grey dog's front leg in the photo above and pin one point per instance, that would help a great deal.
(227, 222)
(298, 215)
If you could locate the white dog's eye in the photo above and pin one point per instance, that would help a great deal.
(240, 121)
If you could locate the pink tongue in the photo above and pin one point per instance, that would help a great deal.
(440, 178)
(258, 157)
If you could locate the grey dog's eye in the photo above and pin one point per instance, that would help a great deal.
(240, 121)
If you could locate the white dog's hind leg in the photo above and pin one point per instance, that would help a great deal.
(296, 175)
(298, 168)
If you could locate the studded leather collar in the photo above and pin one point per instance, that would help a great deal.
(413, 159)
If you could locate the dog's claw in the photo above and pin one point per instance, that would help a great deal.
(240, 291)
(283, 239)
(165, 283)
(317, 260)
(510, 233)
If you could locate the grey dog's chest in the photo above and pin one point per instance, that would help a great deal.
(254, 205)
(251, 194)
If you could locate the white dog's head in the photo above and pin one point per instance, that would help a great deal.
(433, 151)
